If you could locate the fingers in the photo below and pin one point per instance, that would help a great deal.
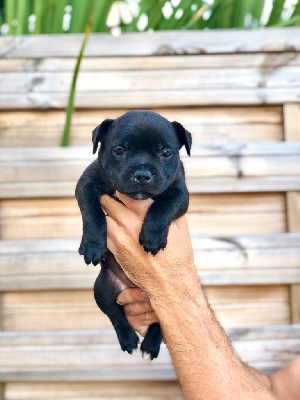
(139, 207)
(132, 295)
(140, 307)
(140, 323)
(116, 210)
(138, 310)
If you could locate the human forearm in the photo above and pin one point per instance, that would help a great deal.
(204, 360)
(203, 357)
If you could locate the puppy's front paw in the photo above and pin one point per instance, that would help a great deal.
(92, 248)
(153, 238)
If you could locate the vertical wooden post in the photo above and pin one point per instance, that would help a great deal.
(291, 121)
(1, 312)
(2, 391)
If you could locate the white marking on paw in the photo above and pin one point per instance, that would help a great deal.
(146, 356)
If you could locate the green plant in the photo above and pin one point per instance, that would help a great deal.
(71, 16)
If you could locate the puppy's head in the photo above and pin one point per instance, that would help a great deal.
(140, 152)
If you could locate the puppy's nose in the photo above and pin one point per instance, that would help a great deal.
(143, 177)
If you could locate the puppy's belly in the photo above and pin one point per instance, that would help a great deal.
(116, 275)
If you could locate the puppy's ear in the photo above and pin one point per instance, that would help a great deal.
(99, 133)
(184, 136)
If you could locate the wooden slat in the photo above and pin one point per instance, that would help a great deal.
(48, 64)
(293, 211)
(291, 114)
(292, 133)
(1, 310)
(213, 168)
(207, 125)
(215, 214)
(76, 309)
(96, 356)
(157, 43)
(295, 303)
(150, 99)
(150, 80)
(211, 185)
(241, 260)
(132, 390)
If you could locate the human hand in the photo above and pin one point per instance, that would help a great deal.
(170, 267)
(138, 310)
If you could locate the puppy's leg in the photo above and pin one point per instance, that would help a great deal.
(167, 207)
(151, 344)
(106, 289)
(88, 191)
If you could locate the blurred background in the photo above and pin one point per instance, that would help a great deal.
(229, 71)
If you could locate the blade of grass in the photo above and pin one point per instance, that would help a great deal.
(48, 14)
(172, 22)
(20, 16)
(70, 108)
(38, 11)
(58, 14)
(195, 18)
(101, 13)
(80, 15)
(27, 12)
(296, 13)
(275, 16)
(9, 12)
(239, 10)
(221, 14)
(257, 9)
(292, 21)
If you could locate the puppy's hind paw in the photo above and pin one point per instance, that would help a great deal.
(151, 344)
(130, 342)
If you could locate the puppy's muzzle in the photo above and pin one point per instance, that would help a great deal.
(143, 177)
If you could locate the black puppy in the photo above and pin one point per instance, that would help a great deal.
(139, 157)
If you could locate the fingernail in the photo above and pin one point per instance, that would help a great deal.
(144, 295)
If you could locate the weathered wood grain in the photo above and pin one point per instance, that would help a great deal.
(207, 125)
(292, 133)
(149, 99)
(291, 114)
(235, 306)
(157, 43)
(215, 214)
(132, 390)
(240, 260)
(48, 64)
(213, 168)
(95, 356)
(184, 80)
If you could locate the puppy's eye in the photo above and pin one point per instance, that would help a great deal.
(166, 153)
(119, 151)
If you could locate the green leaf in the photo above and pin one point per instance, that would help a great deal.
(101, 13)
(9, 12)
(70, 108)
(58, 14)
(80, 15)
(275, 16)
(239, 10)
